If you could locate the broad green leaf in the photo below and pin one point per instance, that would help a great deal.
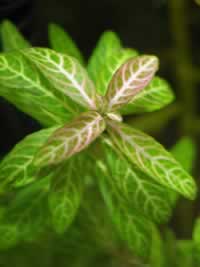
(151, 158)
(16, 169)
(66, 74)
(112, 64)
(11, 38)
(71, 139)
(131, 226)
(28, 210)
(185, 152)
(22, 85)
(106, 46)
(132, 187)
(63, 43)
(129, 80)
(66, 191)
(154, 96)
(91, 233)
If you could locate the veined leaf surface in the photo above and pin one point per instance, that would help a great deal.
(22, 85)
(132, 187)
(66, 191)
(106, 46)
(11, 38)
(153, 97)
(16, 169)
(113, 62)
(28, 210)
(151, 157)
(131, 226)
(129, 80)
(63, 43)
(66, 74)
(71, 139)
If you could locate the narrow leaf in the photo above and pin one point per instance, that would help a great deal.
(185, 152)
(106, 46)
(154, 96)
(196, 239)
(157, 257)
(185, 253)
(63, 43)
(11, 38)
(129, 80)
(151, 158)
(196, 233)
(16, 168)
(132, 187)
(113, 62)
(66, 74)
(22, 85)
(71, 139)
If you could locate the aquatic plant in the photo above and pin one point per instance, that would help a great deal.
(102, 185)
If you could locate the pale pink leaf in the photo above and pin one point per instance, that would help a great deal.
(129, 79)
(71, 139)
(66, 74)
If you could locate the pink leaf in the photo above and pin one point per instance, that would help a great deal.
(129, 79)
(71, 139)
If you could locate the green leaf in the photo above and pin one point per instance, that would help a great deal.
(8, 236)
(106, 46)
(129, 80)
(63, 43)
(132, 187)
(71, 139)
(66, 74)
(112, 64)
(157, 256)
(151, 158)
(28, 210)
(153, 97)
(196, 239)
(22, 85)
(66, 191)
(16, 169)
(185, 152)
(132, 227)
(170, 247)
(185, 254)
(11, 38)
